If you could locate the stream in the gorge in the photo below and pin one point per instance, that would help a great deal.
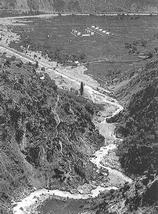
(74, 201)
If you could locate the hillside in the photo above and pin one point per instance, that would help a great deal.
(81, 6)
(137, 125)
(46, 134)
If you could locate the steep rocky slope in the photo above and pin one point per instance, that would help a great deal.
(46, 135)
(139, 198)
(81, 5)
(138, 123)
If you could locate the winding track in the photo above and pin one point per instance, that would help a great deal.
(57, 118)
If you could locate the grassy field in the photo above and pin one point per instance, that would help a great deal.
(55, 33)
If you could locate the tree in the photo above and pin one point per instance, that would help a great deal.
(36, 65)
(81, 89)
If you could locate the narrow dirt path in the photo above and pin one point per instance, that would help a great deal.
(57, 118)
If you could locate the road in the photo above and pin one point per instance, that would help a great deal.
(50, 14)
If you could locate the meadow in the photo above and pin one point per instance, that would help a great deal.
(129, 37)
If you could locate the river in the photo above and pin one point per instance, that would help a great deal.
(74, 201)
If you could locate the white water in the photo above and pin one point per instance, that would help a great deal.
(100, 154)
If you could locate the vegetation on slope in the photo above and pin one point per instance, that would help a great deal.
(138, 198)
(46, 134)
(137, 125)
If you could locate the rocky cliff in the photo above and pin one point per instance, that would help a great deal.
(137, 124)
(81, 6)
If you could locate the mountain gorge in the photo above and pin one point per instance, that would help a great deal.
(81, 6)
(137, 125)
(49, 136)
